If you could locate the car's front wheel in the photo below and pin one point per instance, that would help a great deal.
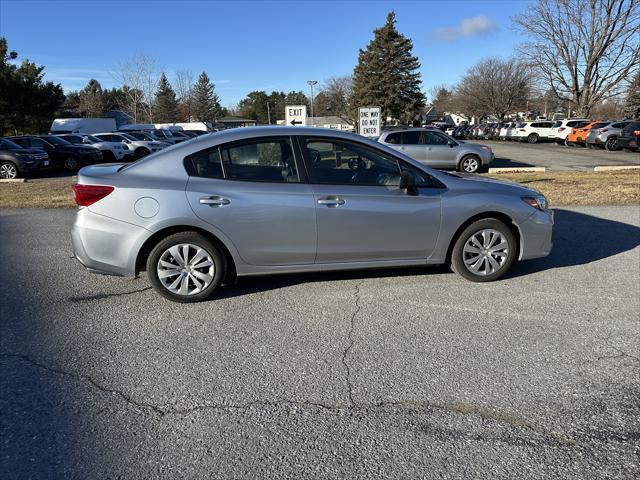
(484, 251)
(469, 164)
(186, 267)
(71, 164)
(533, 138)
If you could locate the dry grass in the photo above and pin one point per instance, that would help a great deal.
(561, 188)
(50, 193)
(583, 188)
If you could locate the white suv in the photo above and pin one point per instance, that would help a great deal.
(111, 151)
(562, 128)
(533, 132)
(137, 148)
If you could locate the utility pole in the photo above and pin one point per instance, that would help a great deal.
(268, 114)
(311, 84)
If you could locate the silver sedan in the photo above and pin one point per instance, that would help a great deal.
(267, 200)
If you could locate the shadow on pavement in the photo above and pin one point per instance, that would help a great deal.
(500, 162)
(578, 239)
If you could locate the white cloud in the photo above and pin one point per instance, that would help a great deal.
(469, 27)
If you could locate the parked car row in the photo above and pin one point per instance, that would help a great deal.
(609, 134)
(26, 154)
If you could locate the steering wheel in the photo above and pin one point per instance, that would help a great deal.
(316, 157)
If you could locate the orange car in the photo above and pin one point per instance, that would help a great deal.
(578, 136)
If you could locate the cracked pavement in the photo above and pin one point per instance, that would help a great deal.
(388, 374)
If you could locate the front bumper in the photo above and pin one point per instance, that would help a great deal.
(536, 234)
(106, 245)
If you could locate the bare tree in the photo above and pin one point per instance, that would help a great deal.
(183, 84)
(338, 93)
(442, 98)
(583, 50)
(493, 86)
(139, 77)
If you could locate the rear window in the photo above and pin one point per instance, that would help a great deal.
(558, 124)
(206, 163)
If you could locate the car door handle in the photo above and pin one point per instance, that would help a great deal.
(215, 201)
(331, 201)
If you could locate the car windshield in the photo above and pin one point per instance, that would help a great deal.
(138, 136)
(92, 139)
(75, 139)
(8, 144)
(55, 140)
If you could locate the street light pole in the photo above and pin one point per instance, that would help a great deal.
(311, 84)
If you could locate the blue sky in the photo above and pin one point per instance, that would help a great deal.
(246, 46)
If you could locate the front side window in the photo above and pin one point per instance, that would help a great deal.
(435, 138)
(73, 139)
(413, 138)
(270, 160)
(337, 162)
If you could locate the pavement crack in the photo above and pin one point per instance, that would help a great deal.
(350, 343)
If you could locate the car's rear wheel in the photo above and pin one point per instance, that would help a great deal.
(141, 152)
(469, 164)
(484, 251)
(70, 164)
(533, 138)
(8, 170)
(611, 144)
(186, 267)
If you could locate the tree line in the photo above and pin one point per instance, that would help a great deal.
(577, 56)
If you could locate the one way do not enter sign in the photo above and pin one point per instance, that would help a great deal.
(295, 115)
(369, 121)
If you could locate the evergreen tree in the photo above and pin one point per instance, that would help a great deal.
(387, 74)
(166, 105)
(632, 105)
(91, 102)
(206, 103)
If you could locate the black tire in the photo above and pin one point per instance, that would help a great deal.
(458, 255)
(108, 156)
(141, 152)
(533, 138)
(71, 164)
(8, 170)
(611, 144)
(197, 240)
(470, 164)
(566, 143)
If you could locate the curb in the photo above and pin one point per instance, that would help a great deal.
(13, 180)
(610, 169)
(518, 170)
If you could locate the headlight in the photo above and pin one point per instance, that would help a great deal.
(538, 202)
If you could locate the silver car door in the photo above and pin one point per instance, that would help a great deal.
(413, 145)
(439, 152)
(362, 215)
(252, 193)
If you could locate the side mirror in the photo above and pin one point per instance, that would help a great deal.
(451, 143)
(408, 183)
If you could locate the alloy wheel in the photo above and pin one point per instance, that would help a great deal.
(70, 164)
(8, 171)
(612, 144)
(185, 269)
(470, 164)
(485, 252)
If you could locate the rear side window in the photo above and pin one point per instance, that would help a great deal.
(206, 163)
(270, 160)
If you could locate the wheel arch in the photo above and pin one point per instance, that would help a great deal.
(152, 241)
(469, 154)
(501, 216)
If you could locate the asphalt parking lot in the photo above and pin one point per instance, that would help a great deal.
(555, 157)
(387, 374)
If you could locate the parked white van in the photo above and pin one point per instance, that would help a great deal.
(82, 125)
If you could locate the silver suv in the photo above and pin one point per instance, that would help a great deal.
(606, 136)
(437, 149)
(266, 200)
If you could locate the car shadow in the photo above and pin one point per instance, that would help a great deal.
(500, 162)
(578, 239)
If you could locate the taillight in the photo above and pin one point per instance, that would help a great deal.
(636, 133)
(86, 195)
(561, 129)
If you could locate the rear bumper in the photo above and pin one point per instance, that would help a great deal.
(628, 142)
(105, 245)
(536, 235)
